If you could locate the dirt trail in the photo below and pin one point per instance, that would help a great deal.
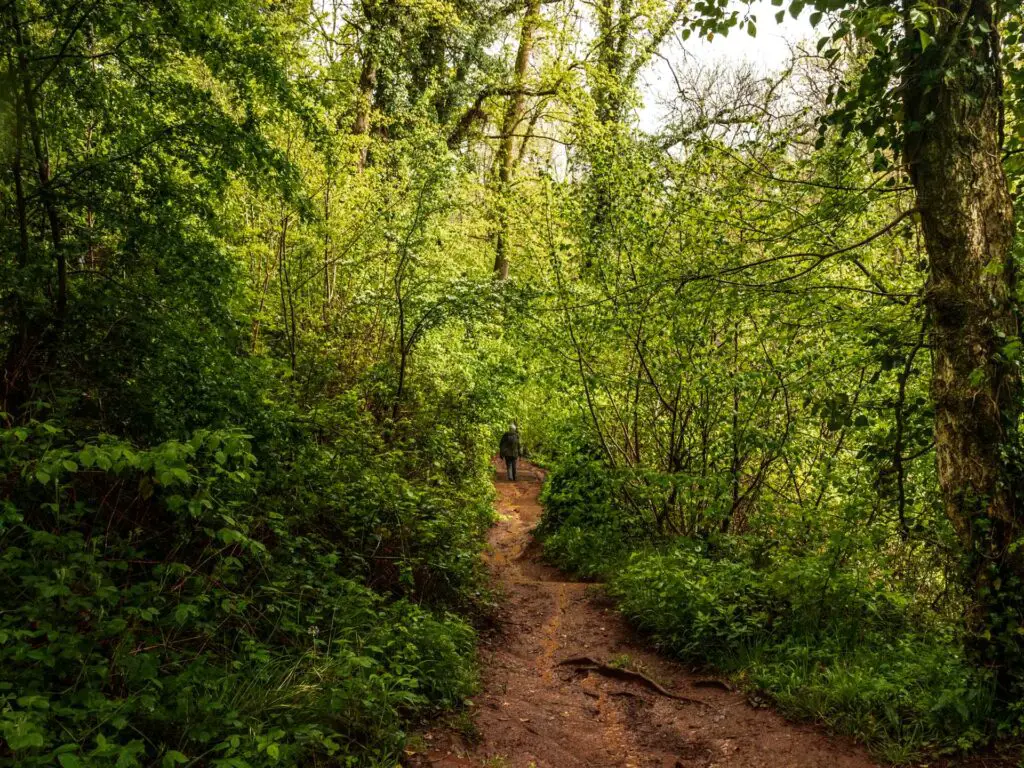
(533, 711)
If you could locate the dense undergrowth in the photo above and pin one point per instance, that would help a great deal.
(824, 635)
(188, 602)
(246, 396)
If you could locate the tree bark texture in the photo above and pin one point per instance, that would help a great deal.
(953, 151)
(506, 158)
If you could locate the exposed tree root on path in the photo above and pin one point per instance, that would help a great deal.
(549, 701)
(593, 665)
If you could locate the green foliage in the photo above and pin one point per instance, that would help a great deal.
(822, 635)
(171, 601)
(741, 337)
(249, 384)
(823, 641)
(255, 360)
(582, 530)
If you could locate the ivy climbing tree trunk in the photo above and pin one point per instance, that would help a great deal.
(367, 79)
(953, 149)
(506, 158)
(367, 84)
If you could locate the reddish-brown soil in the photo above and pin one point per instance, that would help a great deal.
(533, 712)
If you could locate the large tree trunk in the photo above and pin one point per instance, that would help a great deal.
(505, 160)
(616, 25)
(367, 84)
(953, 149)
(372, 14)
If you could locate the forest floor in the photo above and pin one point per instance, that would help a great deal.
(534, 710)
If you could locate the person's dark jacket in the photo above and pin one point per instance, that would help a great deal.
(509, 446)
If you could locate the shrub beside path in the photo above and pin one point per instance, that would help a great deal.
(604, 708)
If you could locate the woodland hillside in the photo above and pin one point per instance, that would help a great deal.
(275, 275)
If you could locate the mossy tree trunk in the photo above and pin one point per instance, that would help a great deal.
(505, 159)
(954, 111)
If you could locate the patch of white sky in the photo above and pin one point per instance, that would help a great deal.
(767, 52)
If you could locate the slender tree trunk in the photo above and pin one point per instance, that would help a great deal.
(735, 464)
(955, 164)
(403, 342)
(287, 300)
(19, 342)
(505, 160)
(91, 258)
(899, 438)
(328, 285)
(263, 301)
(616, 22)
(42, 163)
(17, 167)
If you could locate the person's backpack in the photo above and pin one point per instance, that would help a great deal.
(509, 446)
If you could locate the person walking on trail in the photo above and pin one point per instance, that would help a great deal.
(510, 450)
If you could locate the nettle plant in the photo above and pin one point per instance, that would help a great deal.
(109, 552)
(160, 609)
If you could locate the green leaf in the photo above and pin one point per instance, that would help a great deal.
(34, 702)
(182, 612)
(926, 39)
(173, 758)
(918, 18)
(20, 732)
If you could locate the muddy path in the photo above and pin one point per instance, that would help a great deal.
(534, 711)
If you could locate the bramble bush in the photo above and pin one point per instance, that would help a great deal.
(179, 604)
